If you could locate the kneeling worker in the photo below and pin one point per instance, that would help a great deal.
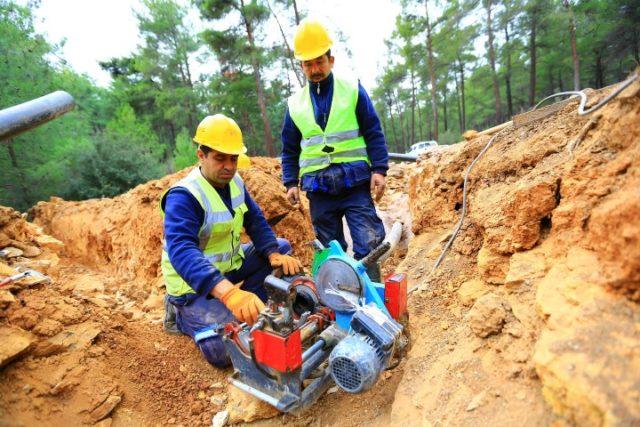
(202, 256)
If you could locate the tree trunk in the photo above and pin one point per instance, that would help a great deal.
(429, 126)
(420, 132)
(295, 10)
(286, 45)
(599, 69)
(432, 73)
(403, 132)
(464, 107)
(20, 179)
(560, 81)
(444, 108)
(492, 62)
(393, 122)
(532, 55)
(455, 76)
(255, 63)
(574, 48)
(413, 109)
(507, 75)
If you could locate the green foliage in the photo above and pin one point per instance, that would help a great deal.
(125, 154)
(608, 38)
(157, 80)
(39, 163)
(449, 137)
(184, 155)
(140, 127)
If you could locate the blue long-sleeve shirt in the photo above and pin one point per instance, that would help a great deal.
(355, 172)
(183, 218)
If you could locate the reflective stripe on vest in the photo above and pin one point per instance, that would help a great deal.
(333, 158)
(341, 134)
(219, 235)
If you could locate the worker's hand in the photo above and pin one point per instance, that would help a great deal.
(378, 184)
(289, 264)
(293, 195)
(245, 306)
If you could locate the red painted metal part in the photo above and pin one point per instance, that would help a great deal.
(283, 354)
(395, 294)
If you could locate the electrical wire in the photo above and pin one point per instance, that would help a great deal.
(581, 112)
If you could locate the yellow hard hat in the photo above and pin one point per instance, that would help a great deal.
(311, 40)
(220, 133)
(244, 162)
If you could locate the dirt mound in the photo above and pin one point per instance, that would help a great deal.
(90, 341)
(537, 303)
(531, 319)
(123, 235)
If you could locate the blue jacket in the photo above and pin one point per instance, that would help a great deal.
(354, 173)
(182, 221)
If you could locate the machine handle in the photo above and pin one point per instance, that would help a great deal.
(385, 248)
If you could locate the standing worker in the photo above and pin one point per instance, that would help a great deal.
(202, 258)
(333, 142)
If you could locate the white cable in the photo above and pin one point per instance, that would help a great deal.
(581, 111)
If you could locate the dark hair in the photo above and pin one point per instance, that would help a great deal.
(206, 150)
(328, 53)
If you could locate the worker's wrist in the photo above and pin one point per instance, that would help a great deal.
(380, 171)
(290, 185)
(221, 288)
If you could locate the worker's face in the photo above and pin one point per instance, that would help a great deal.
(218, 168)
(317, 69)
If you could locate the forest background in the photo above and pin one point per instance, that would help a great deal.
(450, 66)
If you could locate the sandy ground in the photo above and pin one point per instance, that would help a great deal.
(532, 319)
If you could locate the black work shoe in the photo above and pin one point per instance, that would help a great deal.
(169, 321)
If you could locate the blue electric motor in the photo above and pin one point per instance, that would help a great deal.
(357, 361)
(343, 285)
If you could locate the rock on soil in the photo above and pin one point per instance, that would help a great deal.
(245, 408)
(220, 419)
(487, 316)
(15, 342)
(546, 268)
(551, 238)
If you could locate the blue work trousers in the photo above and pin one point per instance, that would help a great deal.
(203, 317)
(327, 211)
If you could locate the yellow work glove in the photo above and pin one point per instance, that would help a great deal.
(289, 264)
(246, 306)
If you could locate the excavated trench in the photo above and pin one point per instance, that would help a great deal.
(532, 318)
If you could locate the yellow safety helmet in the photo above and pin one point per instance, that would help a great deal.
(311, 40)
(244, 162)
(220, 133)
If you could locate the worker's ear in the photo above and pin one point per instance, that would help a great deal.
(201, 155)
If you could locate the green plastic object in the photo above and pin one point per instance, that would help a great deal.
(318, 258)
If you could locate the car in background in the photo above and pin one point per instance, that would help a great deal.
(422, 146)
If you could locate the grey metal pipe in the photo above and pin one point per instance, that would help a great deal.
(399, 157)
(22, 117)
(311, 350)
(314, 361)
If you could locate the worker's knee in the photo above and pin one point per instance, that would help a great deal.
(366, 238)
(214, 351)
(284, 247)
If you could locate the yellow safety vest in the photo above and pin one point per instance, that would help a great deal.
(342, 132)
(219, 235)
